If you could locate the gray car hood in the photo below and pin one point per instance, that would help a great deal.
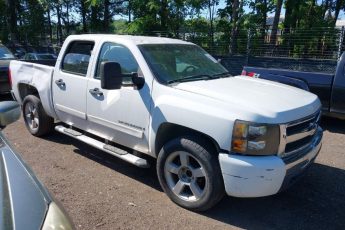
(23, 200)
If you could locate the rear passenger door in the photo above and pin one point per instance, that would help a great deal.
(70, 83)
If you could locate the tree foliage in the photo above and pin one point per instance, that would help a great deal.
(209, 22)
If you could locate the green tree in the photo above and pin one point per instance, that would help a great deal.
(278, 8)
(82, 7)
(340, 4)
(235, 25)
(12, 18)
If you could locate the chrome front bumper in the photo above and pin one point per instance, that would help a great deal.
(306, 155)
(296, 166)
(256, 176)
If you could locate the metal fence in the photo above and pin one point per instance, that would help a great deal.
(315, 50)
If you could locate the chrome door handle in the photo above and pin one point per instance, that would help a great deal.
(96, 92)
(60, 82)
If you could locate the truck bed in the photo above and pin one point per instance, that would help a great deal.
(42, 62)
(37, 75)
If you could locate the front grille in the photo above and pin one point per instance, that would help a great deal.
(300, 134)
(290, 147)
(301, 125)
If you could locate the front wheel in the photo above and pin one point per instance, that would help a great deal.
(36, 120)
(189, 173)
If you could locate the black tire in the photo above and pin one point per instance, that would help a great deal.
(45, 123)
(198, 152)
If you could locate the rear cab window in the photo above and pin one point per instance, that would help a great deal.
(77, 57)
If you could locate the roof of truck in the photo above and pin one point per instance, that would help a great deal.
(135, 39)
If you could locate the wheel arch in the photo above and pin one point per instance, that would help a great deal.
(27, 89)
(168, 131)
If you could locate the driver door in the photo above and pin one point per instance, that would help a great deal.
(120, 115)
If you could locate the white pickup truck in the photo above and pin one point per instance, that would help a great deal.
(136, 97)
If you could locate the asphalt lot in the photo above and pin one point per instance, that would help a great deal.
(102, 192)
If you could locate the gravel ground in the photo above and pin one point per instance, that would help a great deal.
(102, 192)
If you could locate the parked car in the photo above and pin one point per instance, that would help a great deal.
(26, 203)
(17, 49)
(39, 56)
(211, 133)
(46, 49)
(5, 57)
(30, 49)
(44, 59)
(329, 87)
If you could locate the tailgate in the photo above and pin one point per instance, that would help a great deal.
(4, 83)
(4, 74)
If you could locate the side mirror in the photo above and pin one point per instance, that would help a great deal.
(111, 76)
(138, 81)
(9, 112)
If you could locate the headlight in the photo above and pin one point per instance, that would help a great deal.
(56, 219)
(255, 139)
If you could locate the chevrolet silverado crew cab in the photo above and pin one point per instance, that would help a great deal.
(211, 133)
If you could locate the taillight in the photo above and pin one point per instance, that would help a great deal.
(249, 74)
(10, 78)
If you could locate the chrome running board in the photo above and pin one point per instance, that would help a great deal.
(117, 152)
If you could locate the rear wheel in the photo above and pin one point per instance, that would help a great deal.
(36, 120)
(189, 173)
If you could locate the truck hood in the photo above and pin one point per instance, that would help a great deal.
(271, 101)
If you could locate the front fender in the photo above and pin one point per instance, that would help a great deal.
(197, 116)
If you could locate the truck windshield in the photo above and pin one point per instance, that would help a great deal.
(180, 63)
(5, 53)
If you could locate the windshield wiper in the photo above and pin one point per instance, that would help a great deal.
(191, 78)
(225, 74)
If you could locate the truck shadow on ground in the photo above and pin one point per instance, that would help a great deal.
(333, 125)
(147, 176)
(317, 201)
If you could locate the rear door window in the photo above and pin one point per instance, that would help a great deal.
(77, 57)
